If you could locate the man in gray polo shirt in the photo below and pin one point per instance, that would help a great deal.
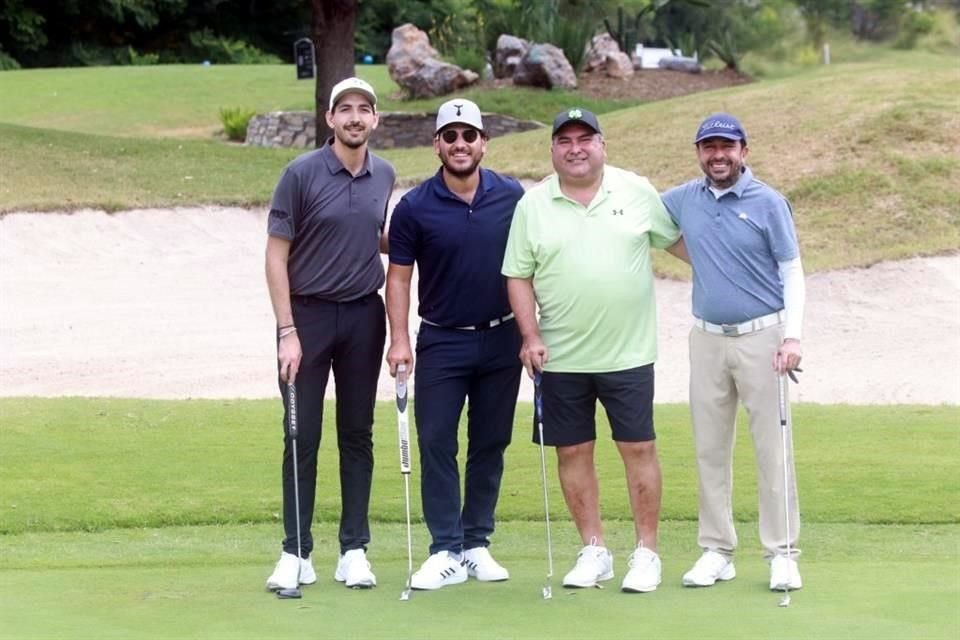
(748, 298)
(323, 271)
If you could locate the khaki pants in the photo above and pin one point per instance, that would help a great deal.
(724, 370)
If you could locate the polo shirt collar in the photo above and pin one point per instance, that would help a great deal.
(441, 190)
(746, 177)
(335, 166)
(553, 184)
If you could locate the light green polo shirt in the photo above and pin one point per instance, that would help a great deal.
(591, 270)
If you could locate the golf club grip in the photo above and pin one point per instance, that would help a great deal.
(403, 421)
(537, 397)
(292, 410)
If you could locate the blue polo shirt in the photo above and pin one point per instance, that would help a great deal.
(458, 247)
(735, 243)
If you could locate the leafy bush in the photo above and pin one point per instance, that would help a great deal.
(206, 45)
(471, 59)
(914, 25)
(235, 121)
(7, 62)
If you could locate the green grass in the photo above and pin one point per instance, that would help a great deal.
(865, 150)
(159, 519)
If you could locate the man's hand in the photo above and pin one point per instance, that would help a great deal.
(289, 355)
(400, 353)
(788, 356)
(533, 355)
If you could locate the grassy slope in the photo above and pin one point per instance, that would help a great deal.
(866, 151)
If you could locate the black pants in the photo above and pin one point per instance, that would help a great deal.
(348, 336)
(452, 365)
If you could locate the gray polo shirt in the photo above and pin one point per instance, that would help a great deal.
(333, 221)
(735, 243)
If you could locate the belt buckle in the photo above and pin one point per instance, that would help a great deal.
(730, 330)
(493, 323)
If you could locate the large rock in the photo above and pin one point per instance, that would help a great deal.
(599, 47)
(619, 65)
(510, 50)
(544, 65)
(415, 66)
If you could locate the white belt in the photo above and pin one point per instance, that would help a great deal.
(733, 330)
(489, 324)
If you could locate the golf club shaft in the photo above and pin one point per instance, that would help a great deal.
(403, 430)
(292, 430)
(785, 438)
(538, 410)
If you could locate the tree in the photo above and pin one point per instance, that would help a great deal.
(333, 25)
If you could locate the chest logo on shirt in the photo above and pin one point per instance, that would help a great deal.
(743, 216)
(617, 212)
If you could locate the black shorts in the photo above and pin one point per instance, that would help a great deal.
(570, 401)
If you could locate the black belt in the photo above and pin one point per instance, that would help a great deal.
(489, 324)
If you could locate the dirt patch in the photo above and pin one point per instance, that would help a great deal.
(646, 85)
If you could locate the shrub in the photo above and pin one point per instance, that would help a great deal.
(7, 63)
(235, 121)
(206, 45)
(914, 25)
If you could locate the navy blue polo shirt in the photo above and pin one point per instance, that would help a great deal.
(458, 247)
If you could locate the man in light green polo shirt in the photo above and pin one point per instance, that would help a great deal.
(579, 248)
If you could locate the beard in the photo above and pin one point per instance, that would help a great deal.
(344, 137)
(459, 171)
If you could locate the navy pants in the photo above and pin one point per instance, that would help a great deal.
(348, 336)
(453, 365)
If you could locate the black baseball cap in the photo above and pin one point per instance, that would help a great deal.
(575, 114)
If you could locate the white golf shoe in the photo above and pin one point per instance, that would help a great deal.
(784, 574)
(481, 565)
(284, 575)
(439, 570)
(710, 568)
(353, 570)
(645, 572)
(594, 564)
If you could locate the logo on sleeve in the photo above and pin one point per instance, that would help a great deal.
(617, 212)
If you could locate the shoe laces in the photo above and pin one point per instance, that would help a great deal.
(712, 561)
(642, 555)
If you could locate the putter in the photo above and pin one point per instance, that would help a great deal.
(295, 593)
(538, 410)
(403, 428)
(784, 438)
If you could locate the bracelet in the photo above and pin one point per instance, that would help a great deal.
(286, 326)
(286, 332)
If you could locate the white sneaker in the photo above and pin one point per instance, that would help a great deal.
(354, 571)
(439, 570)
(710, 568)
(481, 565)
(784, 574)
(594, 564)
(644, 574)
(284, 575)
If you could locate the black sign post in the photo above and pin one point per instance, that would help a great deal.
(303, 56)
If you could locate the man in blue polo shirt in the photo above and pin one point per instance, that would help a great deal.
(454, 227)
(748, 299)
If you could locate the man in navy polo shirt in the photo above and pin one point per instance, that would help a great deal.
(454, 227)
(748, 299)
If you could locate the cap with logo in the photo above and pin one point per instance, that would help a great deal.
(576, 114)
(352, 85)
(720, 125)
(458, 111)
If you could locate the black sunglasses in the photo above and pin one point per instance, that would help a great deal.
(469, 135)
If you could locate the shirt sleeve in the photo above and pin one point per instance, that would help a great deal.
(782, 235)
(672, 200)
(284, 207)
(519, 260)
(663, 229)
(404, 239)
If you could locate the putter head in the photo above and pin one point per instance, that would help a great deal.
(289, 594)
(547, 592)
(785, 600)
(405, 595)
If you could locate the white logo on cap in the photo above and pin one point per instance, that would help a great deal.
(575, 113)
(718, 124)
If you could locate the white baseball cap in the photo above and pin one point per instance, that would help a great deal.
(352, 85)
(459, 111)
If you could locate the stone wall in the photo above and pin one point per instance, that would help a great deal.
(396, 130)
